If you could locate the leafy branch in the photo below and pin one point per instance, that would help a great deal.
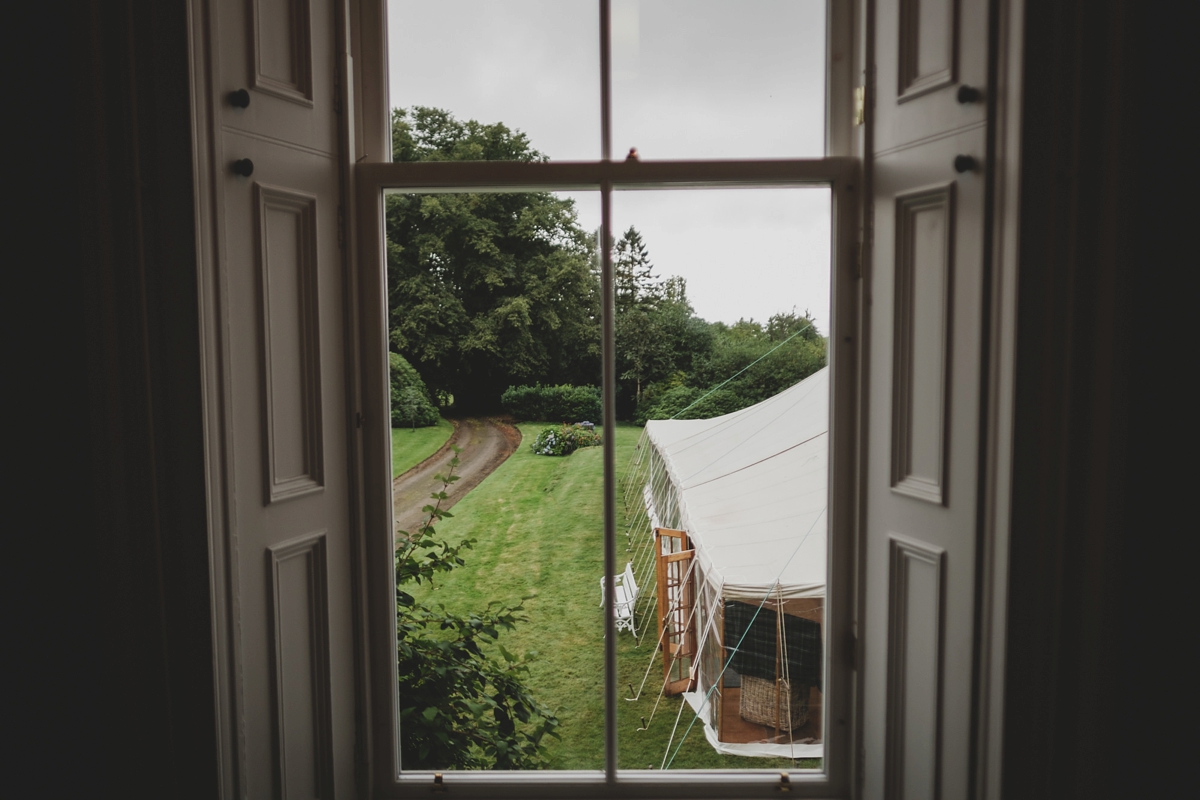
(464, 702)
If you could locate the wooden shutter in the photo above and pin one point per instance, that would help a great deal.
(273, 166)
(926, 163)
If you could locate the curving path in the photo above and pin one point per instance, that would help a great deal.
(485, 443)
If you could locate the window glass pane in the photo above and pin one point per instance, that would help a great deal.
(719, 78)
(531, 65)
(494, 316)
(722, 312)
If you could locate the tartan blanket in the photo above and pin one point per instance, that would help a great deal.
(756, 655)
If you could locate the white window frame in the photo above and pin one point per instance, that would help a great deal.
(372, 176)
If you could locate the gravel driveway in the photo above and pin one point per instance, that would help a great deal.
(485, 443)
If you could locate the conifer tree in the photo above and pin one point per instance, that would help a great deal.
(636, 285)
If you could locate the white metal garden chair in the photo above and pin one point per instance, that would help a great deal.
(625, 594)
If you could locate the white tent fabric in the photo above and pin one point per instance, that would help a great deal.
(751, 490)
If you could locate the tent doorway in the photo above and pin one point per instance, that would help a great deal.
(676, 609)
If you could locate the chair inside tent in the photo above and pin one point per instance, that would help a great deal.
(734, 520)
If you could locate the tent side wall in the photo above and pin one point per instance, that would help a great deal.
(663, 491)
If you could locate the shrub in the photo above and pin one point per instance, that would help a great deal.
(563, 402)
(564, 440)
(411, 405)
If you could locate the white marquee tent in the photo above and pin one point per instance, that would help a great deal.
(750, 490)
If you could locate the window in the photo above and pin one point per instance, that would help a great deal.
(690, 155)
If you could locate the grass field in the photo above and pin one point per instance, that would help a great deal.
(411, 446)
(538, 525)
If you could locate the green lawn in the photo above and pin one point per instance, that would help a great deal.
(411, 446)
(538, 522)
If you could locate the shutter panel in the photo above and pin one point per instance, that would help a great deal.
(925, 348)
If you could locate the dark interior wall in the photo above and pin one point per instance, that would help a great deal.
(1094, 702)
(113, 649)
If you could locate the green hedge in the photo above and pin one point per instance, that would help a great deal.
(411, 406)
(564, 403)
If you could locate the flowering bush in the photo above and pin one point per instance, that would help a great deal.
(564, 440)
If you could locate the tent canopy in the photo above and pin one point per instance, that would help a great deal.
(752, 488)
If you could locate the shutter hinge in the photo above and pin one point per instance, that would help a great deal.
(358, 419)
(341, 226)
(860, 105)
(852, 651)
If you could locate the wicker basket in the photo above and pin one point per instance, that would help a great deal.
(757, 703)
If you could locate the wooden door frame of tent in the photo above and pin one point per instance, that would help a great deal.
(671, 651)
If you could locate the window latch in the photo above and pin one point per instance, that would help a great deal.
(785, 783)
(438, 786)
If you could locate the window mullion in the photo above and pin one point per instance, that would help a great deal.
(608, 393)
(605, 80)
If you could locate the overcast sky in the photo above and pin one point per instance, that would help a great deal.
(691, 79)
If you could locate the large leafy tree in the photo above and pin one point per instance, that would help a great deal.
(487, 290)
(738, 365)
(656, 340)
(765, 359)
